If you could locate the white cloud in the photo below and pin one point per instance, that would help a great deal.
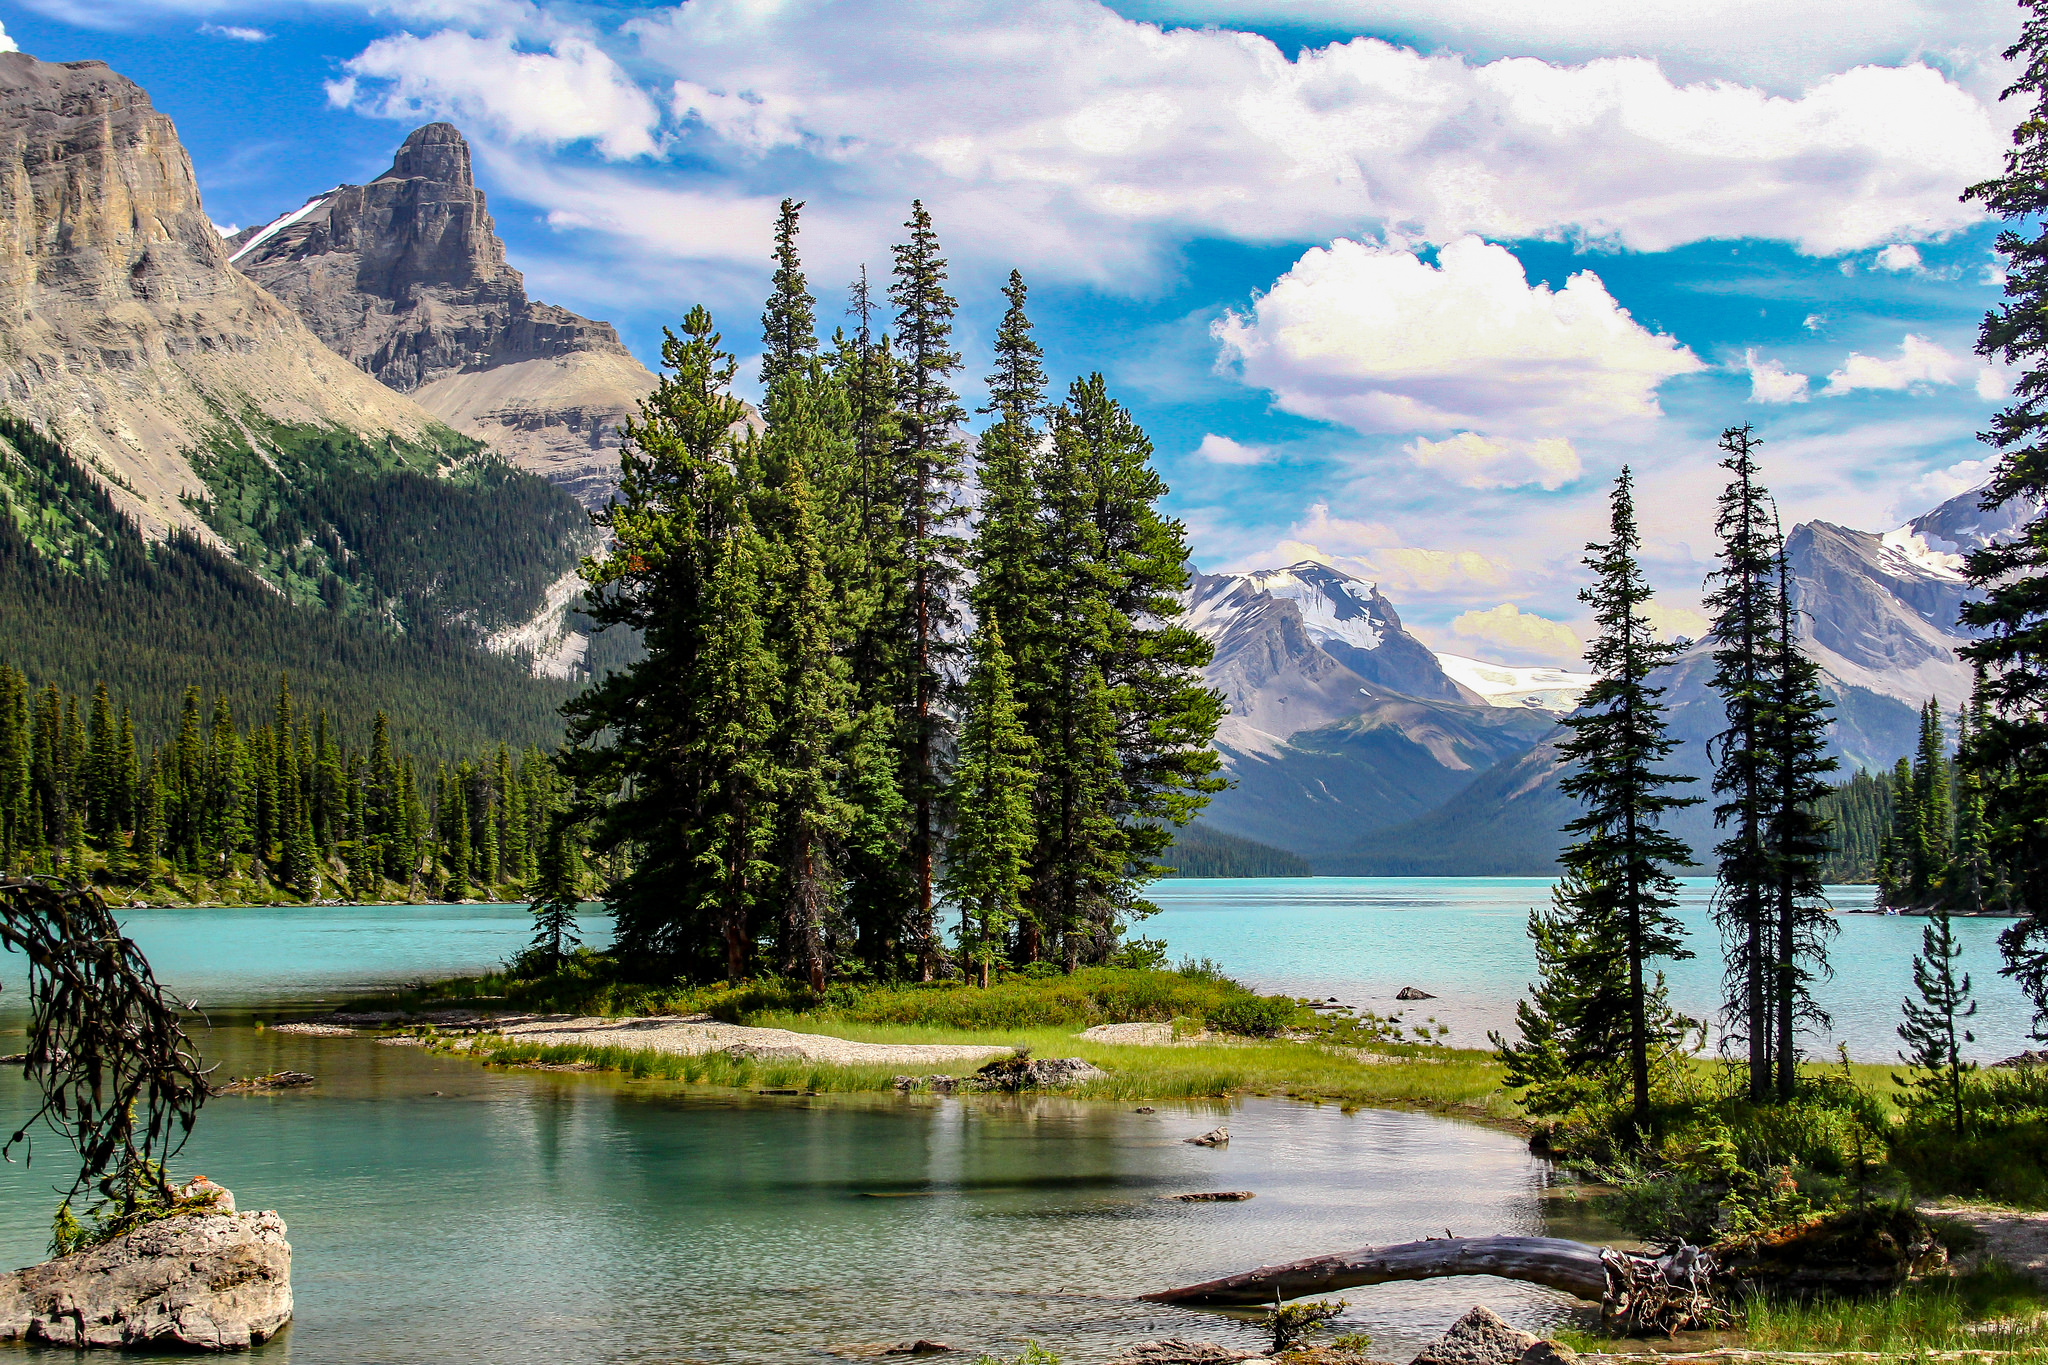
(226, 230)
(1938, 486)
(1771, 382)
(1676, 622)
(1781, 41)
(7, 44)
(1899, 258)
(570, 92)
(1813, 322)
(1222, 450)
(1375, 338)
(1991, 385)
(1373, 550)
(235, 32)
(1519, 633)
(1052, 124)
(1481, 462)
(1919, 362)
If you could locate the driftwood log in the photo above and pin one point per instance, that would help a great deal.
(1665, 1293)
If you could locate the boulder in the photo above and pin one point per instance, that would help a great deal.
(2030, 1057)
(212, 1281)
(1175, 1351)
(1547, 1352)
(1025, 1073)
(1215, 1137)
(1413, 993)
(1478, 1338)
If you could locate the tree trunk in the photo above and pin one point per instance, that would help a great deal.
(1671, 1292)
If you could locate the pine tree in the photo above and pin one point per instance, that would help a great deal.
(16, 787)
(2012, 615)
(931, 456)
(557, 888)
(1900, 860)
(738, 696)
(1973, 883)
(987, 867)
(149, 836)
(1934, 802)
(1745, 625)
(1797, 835)
(105, 767)
(640, 749)
(1624, 890)
(1574, 1023)
(789, 323)
(458, 850)
(1935, 1024)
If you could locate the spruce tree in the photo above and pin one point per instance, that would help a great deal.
(557, 888)
(641, 749)
(1798, 836)
(1746, 617)
(2012, 614)
(789, 323)
(738, 697)
(106, 775)
(1935, 1026)
(1934, 803)
(1620, 855)
(987, 866)
(930, 456)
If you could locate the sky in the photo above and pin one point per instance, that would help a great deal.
(1398, 285)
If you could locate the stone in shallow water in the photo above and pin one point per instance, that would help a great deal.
(1175, 1351)
(216, 1281)
(1413, 993)
(1215, 1137)
(1478, 1338)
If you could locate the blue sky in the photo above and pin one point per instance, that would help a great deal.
(1395, 284)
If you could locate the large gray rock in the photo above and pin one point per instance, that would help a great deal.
(1478, 1338)
(216, 1281)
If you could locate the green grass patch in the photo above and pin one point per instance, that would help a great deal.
(1993, 1308)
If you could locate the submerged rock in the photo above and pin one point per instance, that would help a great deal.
(1478, 1338)
(944, 1085)
(213, 1281)
(1413, 993)
(1175, 1351)
(1211, 1197)
(1215, 1137)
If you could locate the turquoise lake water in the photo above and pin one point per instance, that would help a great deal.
(442, 1213)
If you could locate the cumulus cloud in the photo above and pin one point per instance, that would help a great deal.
(1377, 339)
(1375, 551)
(1090, 144)
(1481, 462)
(1507, 628)
(1938, 486)
(7, 44)
(1222, 450)
(571, 91)
(1920, 362)
(1675, 623)
(1899, 257)
(1771, 382)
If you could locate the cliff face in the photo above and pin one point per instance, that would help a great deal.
(125, 331)
(406, 278)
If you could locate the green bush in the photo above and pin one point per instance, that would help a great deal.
(1254, 1016)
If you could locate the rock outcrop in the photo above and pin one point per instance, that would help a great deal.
(1478, 1338)
(214, 1281)
(124, 331)
(406, 278)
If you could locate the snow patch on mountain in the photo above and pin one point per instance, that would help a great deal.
(1555, 690)
(271, 229)
(1334, 605)
(1910, 550)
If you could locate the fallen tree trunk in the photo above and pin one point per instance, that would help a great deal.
(1573, 1267)
(1667, 1293)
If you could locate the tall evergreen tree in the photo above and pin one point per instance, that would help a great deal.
(1935, 1026)
(931, 457)
(1934, 802)
(557, 889)
(641, 748)
(1620, 856)
(1746, 616)
(1798, 835)
(2012, 614)
(789, 324)
(738, 696)
(987, 867)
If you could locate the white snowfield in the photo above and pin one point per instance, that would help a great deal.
(1910, 546)
(281, 224)
(1534, 689)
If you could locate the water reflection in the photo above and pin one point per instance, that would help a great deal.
(443, 1213)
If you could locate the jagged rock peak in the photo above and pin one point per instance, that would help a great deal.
(438, 152)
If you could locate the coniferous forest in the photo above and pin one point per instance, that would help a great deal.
(281, 803)
(819, 768)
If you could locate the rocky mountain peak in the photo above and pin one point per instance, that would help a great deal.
(406, 278)
(436, 152)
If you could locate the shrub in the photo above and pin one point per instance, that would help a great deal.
(1254, 1016)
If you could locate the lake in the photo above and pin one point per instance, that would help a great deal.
(440, 1212)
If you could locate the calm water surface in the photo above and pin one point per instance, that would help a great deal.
(441, 1213)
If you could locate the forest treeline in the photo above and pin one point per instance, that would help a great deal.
(820, 768)
(281, 803)
(88, 600)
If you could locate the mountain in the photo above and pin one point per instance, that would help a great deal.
(1340, 720)
(406, 279)
(1556, 690)
(182, 459)
(126, 333)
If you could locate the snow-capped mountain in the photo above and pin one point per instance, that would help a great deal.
(1305, 646)
(1555, 690)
